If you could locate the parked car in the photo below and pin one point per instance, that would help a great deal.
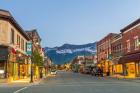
(94, 72)
(53, 72)
(97, 72)
(86, 71)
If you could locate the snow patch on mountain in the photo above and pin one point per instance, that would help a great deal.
(64, 51)
(70, 51)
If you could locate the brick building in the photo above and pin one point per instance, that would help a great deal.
(104, 56)
(117, 53)
(36, 47)
(131, 49)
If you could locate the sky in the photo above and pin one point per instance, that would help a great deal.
(72, 21)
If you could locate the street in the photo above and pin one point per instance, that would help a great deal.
(68, 82)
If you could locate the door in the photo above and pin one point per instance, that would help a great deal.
(131, 69)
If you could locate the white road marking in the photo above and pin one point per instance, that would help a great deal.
(20, 90)
(25, 87)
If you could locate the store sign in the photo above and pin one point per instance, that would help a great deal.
(29, 48)
(110, 56)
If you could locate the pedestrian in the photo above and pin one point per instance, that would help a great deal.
(101, 72)
(40, 73)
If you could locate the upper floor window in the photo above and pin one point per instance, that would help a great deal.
(128, 45)
(26, 46)
(23, 45)
(12, 36)
(18, 41)
(0, 28)
(2, 31)
(136, 41)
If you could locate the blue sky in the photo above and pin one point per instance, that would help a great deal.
(73, 21)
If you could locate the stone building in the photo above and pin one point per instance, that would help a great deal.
(13, 39)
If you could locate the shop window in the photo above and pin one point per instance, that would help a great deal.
(0, 28)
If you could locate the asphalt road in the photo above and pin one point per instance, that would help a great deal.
(68, 82)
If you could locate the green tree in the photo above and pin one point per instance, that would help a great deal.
(37, 59)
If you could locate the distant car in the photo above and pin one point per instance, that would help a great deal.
(53, 72)
(86, 71)
(97, 72)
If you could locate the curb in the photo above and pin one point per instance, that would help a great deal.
(125, 79)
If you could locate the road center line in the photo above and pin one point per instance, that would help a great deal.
(20, 90)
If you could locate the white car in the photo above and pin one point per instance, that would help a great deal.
(53, 72)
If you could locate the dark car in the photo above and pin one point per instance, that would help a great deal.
(86, 71)
(97, 72)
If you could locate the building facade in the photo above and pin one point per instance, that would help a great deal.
(83, 62)
(13, 39)
(104, 54)
(117, 53)
(131, 49)
(36, 47)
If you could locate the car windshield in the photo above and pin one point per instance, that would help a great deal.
(53, 71)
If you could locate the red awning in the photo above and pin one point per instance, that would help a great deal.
(13, 51)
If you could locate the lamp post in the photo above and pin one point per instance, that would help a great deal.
(30, 53)
(31, 78)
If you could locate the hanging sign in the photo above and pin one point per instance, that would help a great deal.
(29, 48)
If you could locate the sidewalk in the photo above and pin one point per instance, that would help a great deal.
(125, 78)
(3, 81)
(26, 80)
(20, 82)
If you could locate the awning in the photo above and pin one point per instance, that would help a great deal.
(130, 58)
(3, 53)
(116, 60)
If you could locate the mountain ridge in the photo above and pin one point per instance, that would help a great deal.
(66, 52)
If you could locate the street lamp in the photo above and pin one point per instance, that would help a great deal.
(31, 67)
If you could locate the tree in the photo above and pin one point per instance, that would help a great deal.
(37, 59)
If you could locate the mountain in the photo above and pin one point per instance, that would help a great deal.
(66, 52)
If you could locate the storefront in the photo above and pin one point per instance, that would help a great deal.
(131, 69)
(106, 65)
(131, 65)
(3, 61)
(118, 69)
(23, 67)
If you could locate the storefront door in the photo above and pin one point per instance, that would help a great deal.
(131, 69)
